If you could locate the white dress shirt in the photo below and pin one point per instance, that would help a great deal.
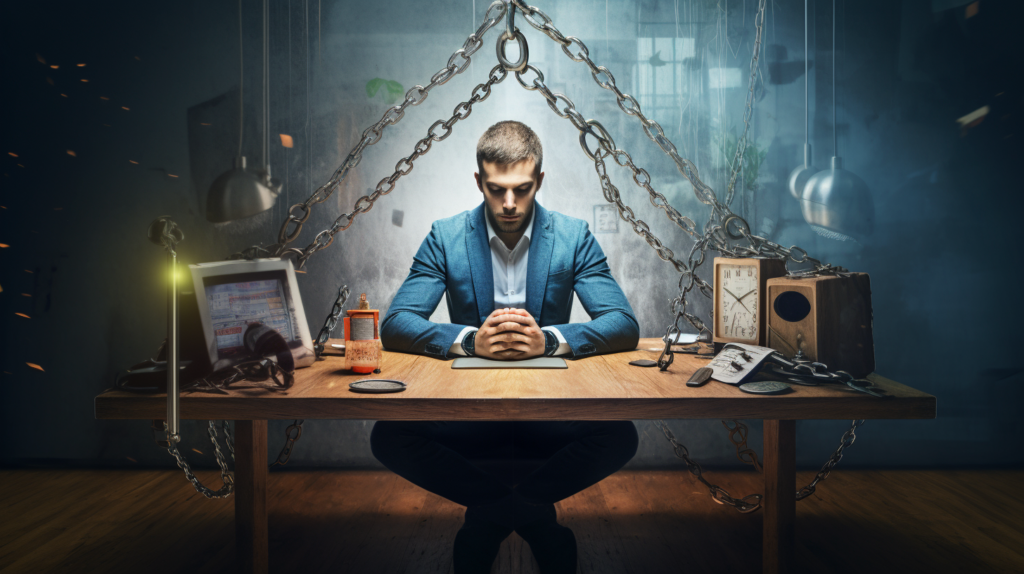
(509, 267)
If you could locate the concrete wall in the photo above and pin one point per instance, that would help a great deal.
(941, 260)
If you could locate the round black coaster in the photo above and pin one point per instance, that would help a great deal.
(766, 388)
(644, 363)
(377, 386)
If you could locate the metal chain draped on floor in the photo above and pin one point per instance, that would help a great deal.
(724, 232)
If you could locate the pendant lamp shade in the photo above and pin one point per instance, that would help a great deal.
(237, 194)
(837, 204)
(799, 177)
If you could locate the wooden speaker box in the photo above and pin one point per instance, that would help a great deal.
(828, 318)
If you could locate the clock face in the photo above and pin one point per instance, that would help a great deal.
(736, 315)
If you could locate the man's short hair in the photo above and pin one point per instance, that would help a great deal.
(509, 142)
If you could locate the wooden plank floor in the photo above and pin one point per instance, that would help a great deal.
(634, 522)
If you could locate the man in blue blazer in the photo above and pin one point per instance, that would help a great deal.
(509, 269)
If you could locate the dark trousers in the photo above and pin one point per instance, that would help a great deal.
(450, 458)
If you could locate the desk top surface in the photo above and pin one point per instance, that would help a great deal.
(604, 387)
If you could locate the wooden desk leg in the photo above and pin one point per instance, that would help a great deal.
(251, 496)
(779, 496)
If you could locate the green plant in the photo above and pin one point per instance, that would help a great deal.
(753, 157)
(392, 92)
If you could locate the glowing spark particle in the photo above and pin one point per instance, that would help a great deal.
(57, 208)
(133, 161)
(972, 9)
(65, 95)
(41, 59)
(124, 108)
(197, 450)
(20, 165)
(23, 315)
(974, 118)
(104, 98)
(286, 140)
(171, 175)
(49, 80)
(71, 153)
(106, 125)
(55, 66)
(12, 154)
(26, 295)
(28, 271)
(131, 459)
(81, 65)
(203, 124)
(84, 80)
(4, 246)
(35, 366)
(299, 271)
(138, 58)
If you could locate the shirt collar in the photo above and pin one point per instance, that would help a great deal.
(491, 235)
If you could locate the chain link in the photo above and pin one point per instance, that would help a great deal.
(746, 455)
(291, 434)
(332, 321)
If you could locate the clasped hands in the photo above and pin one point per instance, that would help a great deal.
(509, 334)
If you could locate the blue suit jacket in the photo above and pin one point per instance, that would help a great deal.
(456, 258)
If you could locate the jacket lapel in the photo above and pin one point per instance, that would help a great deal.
(541, 245)
(480, 269)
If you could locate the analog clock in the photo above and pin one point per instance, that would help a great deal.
(739, 298)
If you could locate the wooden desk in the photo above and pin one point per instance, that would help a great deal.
(597, 388)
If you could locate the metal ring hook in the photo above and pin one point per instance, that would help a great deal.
(524, 53)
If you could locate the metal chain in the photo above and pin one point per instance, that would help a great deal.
(291, 434)
(724, 229)
(746, 504)
(712, 234)
(255, 370)
(331, 323)
(848, 437)
(741, 143)
(227, 477)
(299, 213)
(746, 455)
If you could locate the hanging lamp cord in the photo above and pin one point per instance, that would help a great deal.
(241, 76)
(266, 85)
(807, 82)
(835, 137)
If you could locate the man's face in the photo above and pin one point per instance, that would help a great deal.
(509, 191)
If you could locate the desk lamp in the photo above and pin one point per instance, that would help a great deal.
(836, 203)
(239, 193)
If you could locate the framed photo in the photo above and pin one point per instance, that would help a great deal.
(606, 219)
